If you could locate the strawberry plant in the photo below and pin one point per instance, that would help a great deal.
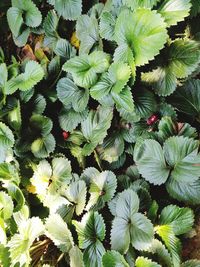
(99, 132)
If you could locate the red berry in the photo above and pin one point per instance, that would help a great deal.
(151, 120)
(65, 135)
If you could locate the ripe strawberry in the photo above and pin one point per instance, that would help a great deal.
(151, 120)
(65, 135)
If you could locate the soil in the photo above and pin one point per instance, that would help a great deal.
(191, 246)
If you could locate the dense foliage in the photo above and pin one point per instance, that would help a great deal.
(99, 132)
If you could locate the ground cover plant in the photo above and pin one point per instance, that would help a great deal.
(99, 132)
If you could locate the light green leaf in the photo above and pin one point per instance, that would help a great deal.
(184, 57)
(174, 11)
(181, 154)
(9, 172)
(50, 26)
(191, 263)
(61, 172)
(21, 39)
(102, 189)
(16, 194)
(6, 136)
(120, 231)
(95, 127)
(21, 242)
(15, 20)
(43, 146)
(186, 192)
(141, 262)
(89, 174)
(151, 162)
(32, 15)
(162, 79)
(85, 68)
(171, 241)
(181, 219)
(107, 25)
(76, 193)
(58, 231)
(140, 28)
(92, 224)
(69, 93)
(76, 257)
(141, 231)
(113, 259)
(127, 204)
(93, 254)
(134, 4)
(69, 9)
(4, 256)
(69, 118)
(6, 206)
(32, 75)
(87, 31)
(124, 99)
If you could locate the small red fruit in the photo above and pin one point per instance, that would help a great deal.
(151, 120)
(65, 135)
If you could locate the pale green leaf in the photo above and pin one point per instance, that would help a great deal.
(174, 11)
(113, 259)
(144, 31)
(181, 154)
(141, 262)
(151, 162)
(58, 231)
(6, 206)
(43, 146)
(181, 219)
(6, 136)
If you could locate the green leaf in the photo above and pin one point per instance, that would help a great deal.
(64, 49)
(184, 57)
(85, 68)
(41, 124)
(50, 27)
(61, 172)
(181, 154)
(141, 231)
(191, 263)
(39, 103)
(186, 192)
(95, 127)
(107, 25)
(151, 162)
(181, 219)
(141, 261)
(4, 256)
(32, 15)
(6, 136)
(163, 80)
(15, 20)
(16, 193)
(113, 81)
(9, 172)
(93, 254)
(76, 193)
(92, 224)
(124, 99)
(21, 39)
(174, 11)
(113, 259)
(112, 148)
(69, 93)
(76, 257)
(134, 4)
(145, 103)
(69, 118)
(159, 250)
(130, 226)
(58, 231)
(195, 8)
(187, 98)
(87, 31)
(89, 174)
(21, 242)
(127, 204)
(32, 75)
(139, 28)
(171, 241)
(102, 189)
(68, 9)
(43, 146)
(4, 75)
(14, 117)
(6, 205)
